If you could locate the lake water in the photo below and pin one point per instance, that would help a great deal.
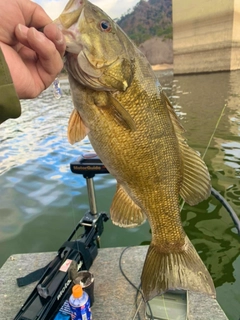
(41, 200)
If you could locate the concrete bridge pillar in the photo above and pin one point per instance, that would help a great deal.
(206, 35)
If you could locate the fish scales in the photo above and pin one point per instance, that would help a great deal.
(133, 128)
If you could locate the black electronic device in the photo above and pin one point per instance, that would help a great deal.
(88, 164)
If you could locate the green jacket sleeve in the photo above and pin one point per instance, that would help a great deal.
(9, 103)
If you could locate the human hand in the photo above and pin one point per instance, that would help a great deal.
(34, 58)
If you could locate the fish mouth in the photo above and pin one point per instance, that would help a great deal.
(73, 46)
(67, 22)
(72, 34)
(71, 13)
(80, 59)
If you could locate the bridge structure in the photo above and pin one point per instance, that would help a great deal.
(206, 35)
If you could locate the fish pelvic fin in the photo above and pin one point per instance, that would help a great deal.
(124, 211)
(183, 270)
(76, 128)
(196, 183)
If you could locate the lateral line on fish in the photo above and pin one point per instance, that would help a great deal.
(210, 141)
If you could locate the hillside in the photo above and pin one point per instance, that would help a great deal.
(149, 25)
(148, 19)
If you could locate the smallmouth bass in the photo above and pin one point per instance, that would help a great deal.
(132, 126)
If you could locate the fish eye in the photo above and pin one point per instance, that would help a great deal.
(105, 25)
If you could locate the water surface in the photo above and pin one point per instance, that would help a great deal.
(41, 200)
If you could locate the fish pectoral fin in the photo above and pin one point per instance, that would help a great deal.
(76, 128)
(115, 109)
(124, 212)
(196, 183)
(120, 114)
(183, 270)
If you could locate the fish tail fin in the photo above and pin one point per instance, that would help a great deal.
(178, 270)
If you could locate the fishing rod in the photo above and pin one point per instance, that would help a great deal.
(214, 192)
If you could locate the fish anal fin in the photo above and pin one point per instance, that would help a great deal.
(182, 270)
(76, 128)
(124, 212)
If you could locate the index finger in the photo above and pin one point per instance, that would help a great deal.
(55, 35)
(34, 14)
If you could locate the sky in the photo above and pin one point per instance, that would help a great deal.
(114, 8)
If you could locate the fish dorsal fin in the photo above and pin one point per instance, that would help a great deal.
(174, 118)
(121, 115)
(196, 185)
(124, 212)
(76, 128)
